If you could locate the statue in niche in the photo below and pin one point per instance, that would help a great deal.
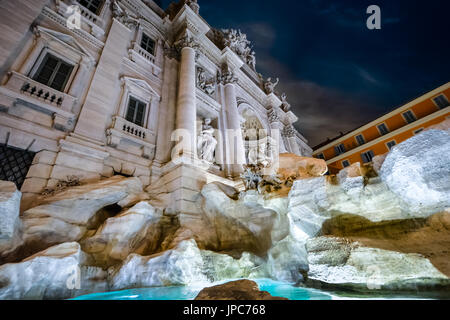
(269, 86)
(206, 144)
(203, 83)
(285, 106)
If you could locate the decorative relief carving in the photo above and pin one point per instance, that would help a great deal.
(120, 14)
(205, 82)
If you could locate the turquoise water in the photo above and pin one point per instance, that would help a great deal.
(275, 288)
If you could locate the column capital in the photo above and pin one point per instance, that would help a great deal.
(186, 41)
(289, 131)
(226, 76)
(273, 116)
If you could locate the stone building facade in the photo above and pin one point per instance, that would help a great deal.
(96, 88)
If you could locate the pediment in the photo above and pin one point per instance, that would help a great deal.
(67, 40)
(142, 84)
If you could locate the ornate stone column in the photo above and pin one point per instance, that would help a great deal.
(276, 126)
(186, 106)
(289, 133)
(235, 150)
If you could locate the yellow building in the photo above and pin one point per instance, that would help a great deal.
(380, 135)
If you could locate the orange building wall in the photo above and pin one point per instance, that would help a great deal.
(395, 122)
(381, 148)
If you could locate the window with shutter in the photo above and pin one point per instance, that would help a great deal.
(53, 72)
(136, 111)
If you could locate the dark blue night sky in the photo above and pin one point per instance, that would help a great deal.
(339, 75)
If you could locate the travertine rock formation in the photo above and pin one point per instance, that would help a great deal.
(418, 172)
(9, 216)
(339, 263)
(56, 273)
(356, 230)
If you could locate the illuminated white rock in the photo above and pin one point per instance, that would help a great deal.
(135, 230)
(182, 265)
(66, 216)
(337, 262)
(418, 172)
(56, 273)
(9, 216)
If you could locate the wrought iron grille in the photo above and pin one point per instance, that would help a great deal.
(14, 164)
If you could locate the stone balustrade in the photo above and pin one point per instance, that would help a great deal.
(137, 53)
(132, 129)
(23, 85)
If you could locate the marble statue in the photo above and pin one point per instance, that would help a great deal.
(269, 86)
(251, 60)
(206, 142)
(285, 106)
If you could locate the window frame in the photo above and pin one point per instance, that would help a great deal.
(140, 90)
(39, 63)
(347, 161)
(340, 150)
(141, 39)
(363, 138)
(417, 131)
(387, 144)
(321, 156)
(99, 9)
(365, 153)
(413, 114)
(440, 95)
(138, 101)
(387, 128)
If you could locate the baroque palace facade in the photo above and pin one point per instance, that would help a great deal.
(94, 88)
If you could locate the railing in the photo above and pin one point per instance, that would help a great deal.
(94, 21)
(144, 53)
(88, 14)
(131, 129)
(26, 86)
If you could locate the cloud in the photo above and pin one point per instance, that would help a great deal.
(323, 112)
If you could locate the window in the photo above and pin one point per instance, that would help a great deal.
(148, 44)
(92, 5)
(383, 129)
(391, 144)
(418, 131)
(360, 139)
(441, 101)
(321, 156)
(340, 149)
(53, 72)
(367, 156)
(345, 163)
(409, 116)
(136, 111)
